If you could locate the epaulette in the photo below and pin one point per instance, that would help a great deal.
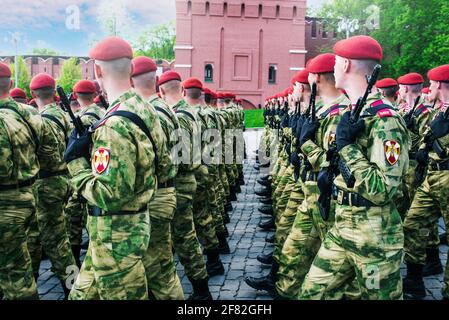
(381, 109)
(105, 118)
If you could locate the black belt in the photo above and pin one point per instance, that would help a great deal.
(350, 199)
(98, 212)
(19, 185)
(439, 166)
(43, 174)
(165, 185)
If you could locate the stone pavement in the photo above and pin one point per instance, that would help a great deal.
(246, 242)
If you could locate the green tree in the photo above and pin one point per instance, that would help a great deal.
(45, 52)
(157, 42)
(24, 78)
(70, 74)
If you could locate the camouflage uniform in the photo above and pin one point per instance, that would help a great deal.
(53, 191)
(118, 186)
(185, 240)
(76, 209)
(18, 204)
(430, 200)
(160, 268)
(366, 242)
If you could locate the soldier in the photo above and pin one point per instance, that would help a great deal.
(431, 196)
(389, 88)
(126, 149)
(366, 241)
(185, 240)
(21, 130)
(53, 185)
(18, 95)
(76, 210)
(160, 268)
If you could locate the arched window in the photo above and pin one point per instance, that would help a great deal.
(209, 73)
(295, 12)
(243, 9)
(324, 26)
(189, 7)
(260, 10)
(314, 31)
(272, 70)
(278, 10)
(225, 10)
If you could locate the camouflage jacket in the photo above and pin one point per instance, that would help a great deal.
(189, 124)
(87, 118)
(122, 173)
(19, 142)
(422, 116)
(379, 158)
(444, 141)
(54, 140)
(329, 116)
(169, 123)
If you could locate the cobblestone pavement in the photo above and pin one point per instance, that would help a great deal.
(246, 242)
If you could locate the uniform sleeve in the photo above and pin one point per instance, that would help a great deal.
(166, 168)
(314, 154)
(112, 189)
(6, 160)
(377, 180)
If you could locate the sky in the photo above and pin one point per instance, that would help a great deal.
(70, 27)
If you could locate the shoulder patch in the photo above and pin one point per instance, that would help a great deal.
(385, 113)
(392, 151)
(101, 159)
(335, 112)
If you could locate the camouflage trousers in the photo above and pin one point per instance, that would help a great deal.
(16, 272)
(160, 268)
(217, 194)
(284, 216)
(52, 198)
(76, 215)
(202, 215)
(34, 244)
(430, 200)
(113, 267)
(280, 197)
(224, 181)
(185, 240)
(365, 244)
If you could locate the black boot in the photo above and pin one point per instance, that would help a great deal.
(267, 225)
(270, 239)
(226, 232)
(266, 283)
(36, 276)
(265, 178)
(200, 290)
(214, 266)
(265, 183)
(238, 189)
(265, 258)
(65, 289)
(266, 201)
(241, 179)
(263, 192)
(433, 265)
(228, 206)
(226, 218)
(267, 209)
(76, 250)
(233, 195)
(223, 246)
(443, 239)
(413, 284)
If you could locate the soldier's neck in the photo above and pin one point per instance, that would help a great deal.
(329, 94)
(145, 93)
(115, 89)
(356, 89)
(444, 96)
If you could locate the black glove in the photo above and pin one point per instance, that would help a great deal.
(409, 121)
(308, 131)
(299, 124)
(78, 146)
(422, 156)
(347, 132)
(440, 126)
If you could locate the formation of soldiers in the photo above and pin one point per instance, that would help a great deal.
(357, 177)
(128, 157)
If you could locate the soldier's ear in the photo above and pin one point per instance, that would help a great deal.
(98, 72)
(347, 64)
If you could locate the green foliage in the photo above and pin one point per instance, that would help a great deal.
(254, 118)
(24, 77)
(413, 33)
(45, 52)
(157, 42)
(70, 74)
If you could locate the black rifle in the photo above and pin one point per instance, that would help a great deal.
(408, 118)
(430, 144)
(65, 104)
(327, 176)
(103, 101)
(311, 115)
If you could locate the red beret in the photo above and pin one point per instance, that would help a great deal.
(301, 77)
(17, 93)
(5, 72)
(192, 83)
(221, 95)
(425, 90)
(411, 79)
(143, 65)
(84, 86)
(111, 48)
(169, 76)
(359, 48)
(42, 80)
(440, 74)
(290, 90)
(386, 83)
(230, 95)
(323, 63)
(207, 91)
(214, 95)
